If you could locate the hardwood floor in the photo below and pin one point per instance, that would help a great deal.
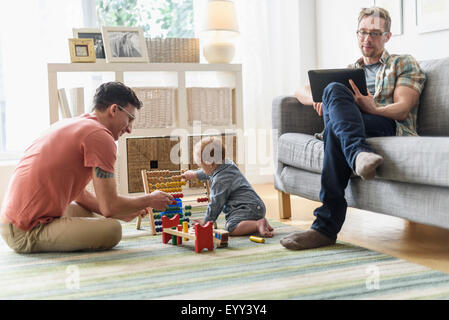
(425, 245)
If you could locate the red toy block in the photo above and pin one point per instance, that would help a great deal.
(179, 238)
(204, 237)
(168, 223)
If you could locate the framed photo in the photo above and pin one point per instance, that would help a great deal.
(394, 7)
(124, 44)
(95, 34)
(432, 15)
(82, 50)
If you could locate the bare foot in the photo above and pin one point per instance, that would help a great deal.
(264, 228)
(270, 228)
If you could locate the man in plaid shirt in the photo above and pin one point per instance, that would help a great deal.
(395, 83)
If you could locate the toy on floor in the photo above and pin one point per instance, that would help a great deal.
(172, 183)
(205, 236)
(257, 239)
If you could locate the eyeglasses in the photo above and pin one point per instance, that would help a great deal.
(131, 116)
(374, 34)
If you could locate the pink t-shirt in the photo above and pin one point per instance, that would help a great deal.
(56, 168)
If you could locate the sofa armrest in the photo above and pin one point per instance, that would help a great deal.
(289, 115)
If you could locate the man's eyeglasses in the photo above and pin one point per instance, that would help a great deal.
(131, 116)
(374, 34)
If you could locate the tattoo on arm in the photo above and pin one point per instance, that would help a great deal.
(103, 174)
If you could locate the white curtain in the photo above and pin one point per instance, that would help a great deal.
(269, 50)
(33, 33)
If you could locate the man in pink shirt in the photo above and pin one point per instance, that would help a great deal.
(47, 207)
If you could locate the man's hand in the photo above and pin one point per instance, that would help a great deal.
(189, 175)
(160, 200)
(365, 103)
(318, 106)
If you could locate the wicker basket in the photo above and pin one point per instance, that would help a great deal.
(158, 107)
(173, 50)
(211, 106)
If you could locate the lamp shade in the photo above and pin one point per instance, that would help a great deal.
(221, 16)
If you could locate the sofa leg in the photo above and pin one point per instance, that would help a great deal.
(284, 205)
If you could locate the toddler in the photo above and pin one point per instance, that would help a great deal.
(230, 192)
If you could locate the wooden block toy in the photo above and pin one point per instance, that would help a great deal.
(179, 239)
(257, 239)
(167, 224)
(185, 229)
(205, 236)
(222, 236)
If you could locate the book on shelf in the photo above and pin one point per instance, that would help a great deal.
(64, 104)
(77, 101)
(76, 105)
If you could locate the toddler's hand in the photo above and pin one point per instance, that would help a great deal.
(200, 221)
(189, 175)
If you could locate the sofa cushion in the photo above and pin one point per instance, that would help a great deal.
(421, 160)
(433, 112)
(302, 151)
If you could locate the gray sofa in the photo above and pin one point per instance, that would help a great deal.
(413, 182)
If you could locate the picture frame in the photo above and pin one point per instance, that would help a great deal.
(124, 44)
(432, 15)
(395, 8)
(96, 35)
(82, 50)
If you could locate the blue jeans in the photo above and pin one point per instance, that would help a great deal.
(345, 131)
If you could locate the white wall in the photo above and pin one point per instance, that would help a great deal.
(6, 171)
(337, 43)
(433, 45)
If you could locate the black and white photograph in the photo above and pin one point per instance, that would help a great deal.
(98, 43)
(95, 34)
(124, 44)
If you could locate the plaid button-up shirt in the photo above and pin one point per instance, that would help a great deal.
(397, 70)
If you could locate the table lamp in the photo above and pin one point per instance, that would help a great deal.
(219, 30)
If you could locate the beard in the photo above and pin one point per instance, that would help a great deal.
(371, 53)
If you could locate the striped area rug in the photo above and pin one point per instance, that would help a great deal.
(145, 268)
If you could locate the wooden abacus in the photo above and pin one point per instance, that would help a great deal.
(166, 181)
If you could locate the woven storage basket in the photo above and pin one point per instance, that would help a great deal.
(173, 50)
(158, 107)
(211, 106)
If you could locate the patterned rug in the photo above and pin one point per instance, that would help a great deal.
(145, 268)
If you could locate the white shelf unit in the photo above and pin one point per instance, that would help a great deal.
(181, 122)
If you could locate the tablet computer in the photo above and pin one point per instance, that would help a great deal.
(319, 79)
